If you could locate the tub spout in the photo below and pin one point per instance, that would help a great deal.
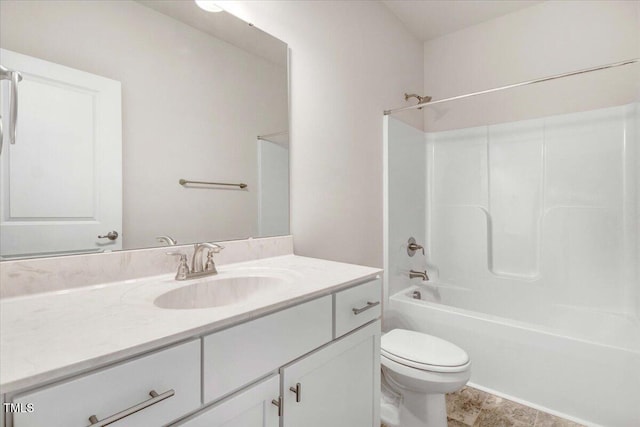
(421, 274)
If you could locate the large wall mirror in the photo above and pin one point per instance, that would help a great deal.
(140, 119)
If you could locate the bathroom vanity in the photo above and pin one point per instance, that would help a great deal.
(101, 339)
(294, 342)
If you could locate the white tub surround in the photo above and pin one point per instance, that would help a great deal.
(50, 336)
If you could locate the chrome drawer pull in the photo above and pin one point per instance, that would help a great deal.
(278, 403)
(369, 305)
(297, 390)
(155, 398)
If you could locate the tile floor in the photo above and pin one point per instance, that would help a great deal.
(473, 407)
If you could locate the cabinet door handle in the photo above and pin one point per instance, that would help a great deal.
(155, 398)
(298, 391)
(278, 403)
(369, 305)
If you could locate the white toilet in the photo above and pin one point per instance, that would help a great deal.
(418, 369)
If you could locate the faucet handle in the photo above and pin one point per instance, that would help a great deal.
(412, 247)
(182, 255)
(210, 265)
(183, 268)
(217, 248)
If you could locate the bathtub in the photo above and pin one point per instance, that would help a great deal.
(579, 364)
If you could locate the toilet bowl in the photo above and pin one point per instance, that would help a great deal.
(418, 369)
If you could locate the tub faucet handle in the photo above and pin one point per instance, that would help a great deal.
(413, 247)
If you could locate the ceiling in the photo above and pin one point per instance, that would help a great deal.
(224, 26)
(428, 19)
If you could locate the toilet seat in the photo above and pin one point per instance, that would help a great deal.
(424, 352)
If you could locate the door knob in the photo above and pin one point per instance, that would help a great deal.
(112, 235)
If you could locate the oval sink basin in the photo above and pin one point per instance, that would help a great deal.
(219, 292)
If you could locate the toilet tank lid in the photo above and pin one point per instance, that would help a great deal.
(423, 348)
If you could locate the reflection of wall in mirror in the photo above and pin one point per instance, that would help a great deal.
(273, 188)
(192, 108)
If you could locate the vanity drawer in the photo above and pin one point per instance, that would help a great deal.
(357, 306)
(237, 356)
(116, 389)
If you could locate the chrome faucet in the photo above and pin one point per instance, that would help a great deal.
(197, 269)
(196, 262)
(170, 241)
(421, 274)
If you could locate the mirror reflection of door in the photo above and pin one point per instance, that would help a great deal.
(61, 183)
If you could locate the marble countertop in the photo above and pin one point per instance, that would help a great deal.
(50, 336)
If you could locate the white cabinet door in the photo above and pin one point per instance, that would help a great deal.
(251, 407)
(337, 386)
(61, 183)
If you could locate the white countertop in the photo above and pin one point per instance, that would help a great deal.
(46, 337)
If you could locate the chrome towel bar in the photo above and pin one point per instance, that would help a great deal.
(185, 182)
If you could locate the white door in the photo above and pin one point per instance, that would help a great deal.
(61, 183)
(251, 407)
(337, 386)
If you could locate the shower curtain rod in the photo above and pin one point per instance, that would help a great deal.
(544, 79)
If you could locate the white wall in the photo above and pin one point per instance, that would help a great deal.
(349, 61)
(549, 38)
(273, 188)
(192, 108)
